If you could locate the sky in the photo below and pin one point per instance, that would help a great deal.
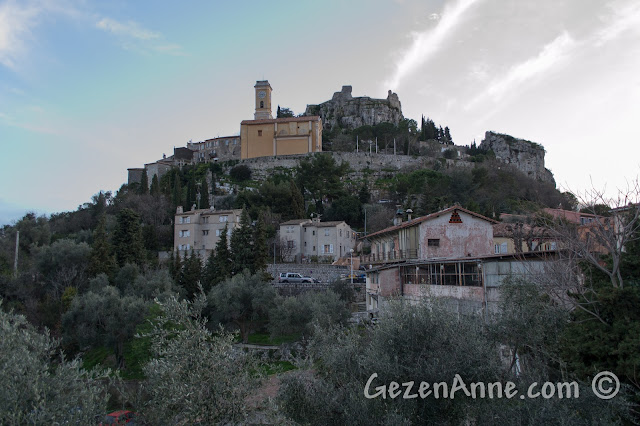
(89, 89)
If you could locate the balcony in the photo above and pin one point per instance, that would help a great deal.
(390, 256)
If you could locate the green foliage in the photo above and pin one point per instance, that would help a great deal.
(63, 263)
(347, 208)
(35, 390)
(191, 273)
(320, 178)
(241, 245)
(144, 183)
(101, 259)
(421, 343)
(242, 300)
(195, 376)
(204, 195)
(127, 238)
(240, 173)
(259, 246)
(103, 318)
(284, 113)
(451, 154)
(298, 314)
(218, 266)
(155, 186)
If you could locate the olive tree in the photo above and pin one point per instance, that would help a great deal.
(195, 375)
(40, 386)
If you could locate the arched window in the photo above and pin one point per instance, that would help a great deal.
(261, 104)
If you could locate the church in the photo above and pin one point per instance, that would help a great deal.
(265, 136)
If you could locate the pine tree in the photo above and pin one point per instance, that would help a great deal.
(241, 247)
(101, 260)
(204, 194)
(447, 136)
(144, 183)
(127, 238)
(155, 186)
(191, 193)
(260, 249)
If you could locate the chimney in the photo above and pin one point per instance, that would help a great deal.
(398, 219)
(179, 210)
(409, 211)
(193, 207)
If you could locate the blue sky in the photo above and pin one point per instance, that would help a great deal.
(88, 89)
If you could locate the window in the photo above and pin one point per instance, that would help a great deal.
(314, 233)
(305, 243)
(328, 248)
(185, 219)
(496, 248)
(341, 232)
(184, 247)
(314, 248)
(261, 104)
(218, 232)
(205, 219)
(259, 132)
(500, 248)
(291, 244)
(205, 232)
(289, 229)
(224, 218)
(185, 233)
(326, 232)
(433, 242)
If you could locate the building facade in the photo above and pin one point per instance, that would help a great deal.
(199, 230)
(266, 136)
(307, 239)
(217, 149)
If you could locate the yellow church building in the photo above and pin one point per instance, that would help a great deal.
(267, 136)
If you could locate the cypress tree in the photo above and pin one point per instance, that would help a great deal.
(218, 267)
(144, 183)
(191, 193)
(297, 201)
(177, 191)
(260, 249)
(177, 267)
(101, 259)
(191, 274)
(127, 238)
(241, 245)
(204, 194)
(155, 186)
(447, 136)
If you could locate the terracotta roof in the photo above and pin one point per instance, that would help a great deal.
(282, 120)
(325, 224)
(295, 222)
(421, 219)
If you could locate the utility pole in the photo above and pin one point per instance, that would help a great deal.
(376, 144)
(15, 260)
(356, 143)
(394, 147)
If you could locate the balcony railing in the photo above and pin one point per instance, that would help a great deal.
(390, 256)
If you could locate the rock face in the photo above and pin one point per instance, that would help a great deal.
(347, 112)
(526, 156)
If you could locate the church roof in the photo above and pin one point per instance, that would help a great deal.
(282, 120)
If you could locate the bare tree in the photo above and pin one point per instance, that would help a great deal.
(598, 235)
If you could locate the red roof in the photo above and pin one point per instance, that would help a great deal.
(419, 220)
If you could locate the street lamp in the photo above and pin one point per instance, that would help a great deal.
(351, 254)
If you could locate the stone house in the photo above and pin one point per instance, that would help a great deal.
(451, 233)
(304, 239)
(199, 230)
(217, 149)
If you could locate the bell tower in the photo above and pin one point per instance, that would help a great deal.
(263, 100)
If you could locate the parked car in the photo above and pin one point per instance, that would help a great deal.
(294, 277)
(120, 418)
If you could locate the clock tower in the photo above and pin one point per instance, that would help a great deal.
(263, 100)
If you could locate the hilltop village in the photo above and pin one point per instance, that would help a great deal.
(309, 267)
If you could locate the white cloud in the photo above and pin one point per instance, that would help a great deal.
(128, 29)
(625, 17)
(551, 55)
(427, 43)
(16, 23)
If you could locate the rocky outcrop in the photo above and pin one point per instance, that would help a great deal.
(347, 112)
(526, 156)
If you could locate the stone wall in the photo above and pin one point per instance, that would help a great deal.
(324, 272)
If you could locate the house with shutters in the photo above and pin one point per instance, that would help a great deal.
(312, 240)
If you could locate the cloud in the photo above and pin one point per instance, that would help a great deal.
(551, 55)
(427, 43)
(625, 17)
(16, 23)
(128, 29)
